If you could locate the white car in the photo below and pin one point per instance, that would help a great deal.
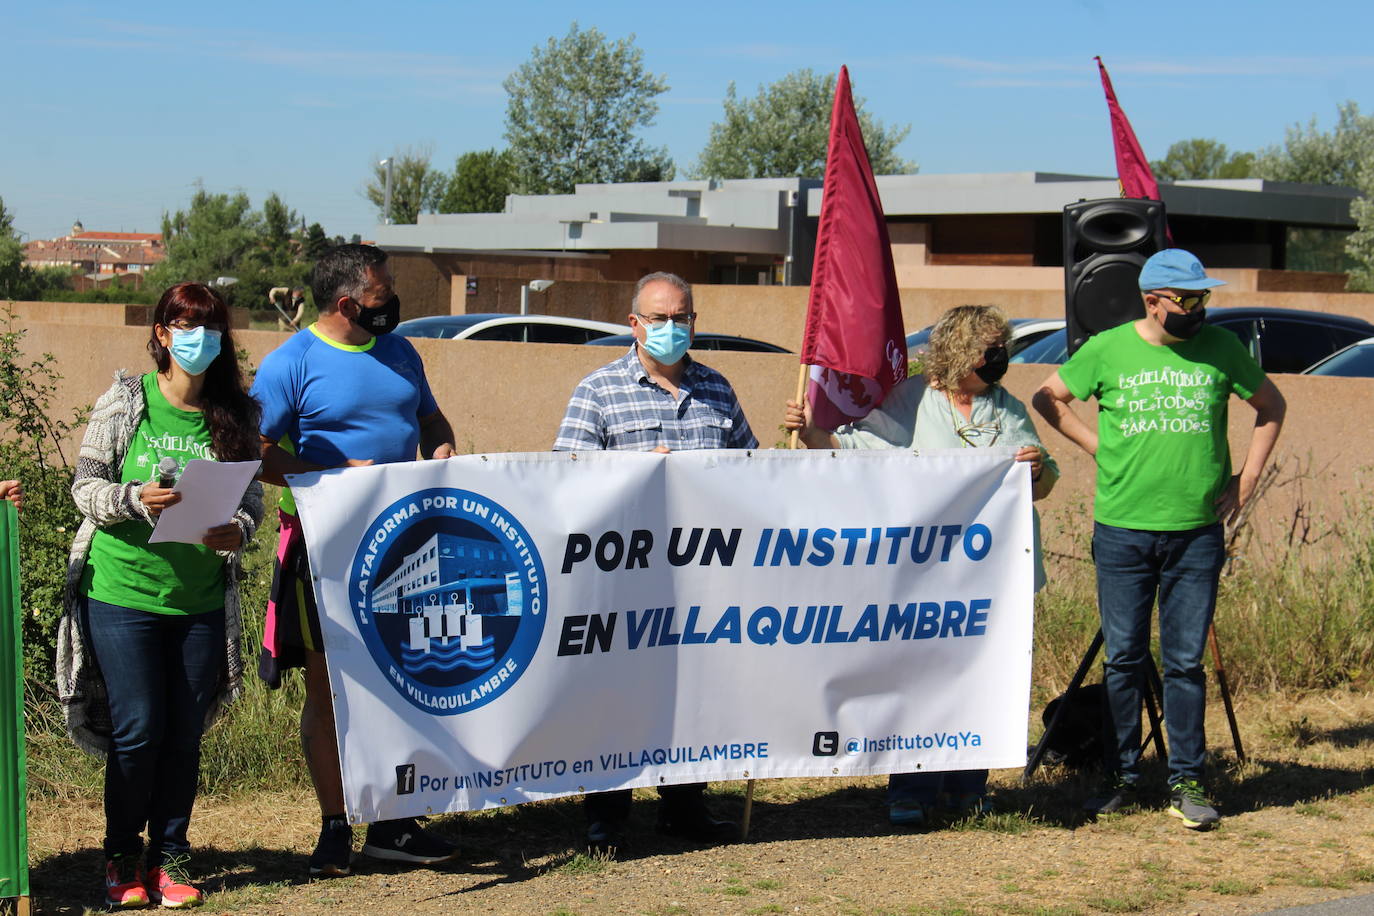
(1024, 332)
(1355, 361)
(500, 326)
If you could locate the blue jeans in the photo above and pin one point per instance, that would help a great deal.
(924, 788)
(161, 672)
(1182, 568)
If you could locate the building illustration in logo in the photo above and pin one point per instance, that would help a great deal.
(448, 592)
(447, 589)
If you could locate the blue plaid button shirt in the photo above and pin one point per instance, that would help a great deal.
(619, 407)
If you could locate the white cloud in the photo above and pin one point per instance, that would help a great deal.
(262, 49)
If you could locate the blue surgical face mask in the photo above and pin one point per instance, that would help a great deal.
(196, 349)
(667, 344)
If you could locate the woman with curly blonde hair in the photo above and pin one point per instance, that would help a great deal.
(955, 402)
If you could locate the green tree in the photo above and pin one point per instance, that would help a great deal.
(416, 185)
(215, 237)
(279, 241)
(13, 273)
(1313, 156)
(315, 243)
(17, 279)
(479, 183)
(221, 235)
(1200, 158)
(1360, 243)
(785, 129)
(573, 110)
(1342, 156)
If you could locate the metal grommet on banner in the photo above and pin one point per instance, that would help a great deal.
(484, 458)
(428, 810)
(835, 770)
(746, 775)
(503, 801)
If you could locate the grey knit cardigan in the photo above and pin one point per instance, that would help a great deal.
(104, 501)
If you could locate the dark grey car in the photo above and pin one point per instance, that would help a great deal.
(1280, 340)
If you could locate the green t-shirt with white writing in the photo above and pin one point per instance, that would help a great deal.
(1162, 454)
(123, 568)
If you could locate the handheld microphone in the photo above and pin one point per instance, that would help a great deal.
(167, 472)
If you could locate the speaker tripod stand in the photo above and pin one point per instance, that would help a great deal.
(1152, 691)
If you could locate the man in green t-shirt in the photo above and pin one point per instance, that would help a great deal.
(1164, 491)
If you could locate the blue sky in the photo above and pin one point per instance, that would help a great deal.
(119, 109)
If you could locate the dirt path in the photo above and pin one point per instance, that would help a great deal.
(1298, 828)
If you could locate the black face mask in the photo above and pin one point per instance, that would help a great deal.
(379, 319)
(995, 360)
(1186, 325)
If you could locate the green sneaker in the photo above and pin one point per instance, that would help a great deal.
(1190, 804)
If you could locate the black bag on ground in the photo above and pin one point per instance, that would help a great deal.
(1077, 738)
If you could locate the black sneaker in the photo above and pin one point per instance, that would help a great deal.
(1190, 804)
(404, 840)
(333, 855)
(693, 821)
(1117, 796)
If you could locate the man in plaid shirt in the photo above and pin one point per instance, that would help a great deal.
(655, 398)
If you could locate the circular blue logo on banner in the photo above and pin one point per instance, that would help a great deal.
(448, 592)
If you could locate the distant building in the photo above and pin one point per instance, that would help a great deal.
(973, 231)
(98, 256)
(447, 587)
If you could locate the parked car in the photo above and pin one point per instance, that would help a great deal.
(1355, 361)
(1280, 340)
(702, 342)
(498, 326)
(1024, 332)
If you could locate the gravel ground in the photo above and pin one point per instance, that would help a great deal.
(1298, 828)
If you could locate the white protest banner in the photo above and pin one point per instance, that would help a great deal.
(507, 628)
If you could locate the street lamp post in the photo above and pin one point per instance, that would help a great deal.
(386, 197)
(538, 286)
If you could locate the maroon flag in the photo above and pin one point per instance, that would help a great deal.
(854, 339)
(1132, 168)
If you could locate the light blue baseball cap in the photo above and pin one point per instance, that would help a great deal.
(1174, 268)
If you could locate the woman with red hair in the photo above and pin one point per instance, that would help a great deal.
(148, 648)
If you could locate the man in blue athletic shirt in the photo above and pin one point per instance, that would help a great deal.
(344, 391)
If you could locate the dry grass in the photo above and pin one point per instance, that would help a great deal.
(1298, 827)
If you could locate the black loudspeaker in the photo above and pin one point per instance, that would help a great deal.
(1106, 243)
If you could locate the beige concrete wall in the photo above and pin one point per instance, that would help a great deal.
(510, 397)
(777, 314)
(95, 314)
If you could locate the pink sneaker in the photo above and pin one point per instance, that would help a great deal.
(124, 882)
(168, 885)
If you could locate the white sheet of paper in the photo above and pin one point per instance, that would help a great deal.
(210, 492)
